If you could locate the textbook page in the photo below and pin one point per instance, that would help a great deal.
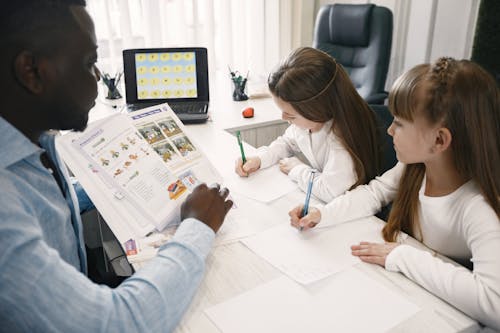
(143, 163)
(346, 302)
(313, 254)
(264, 185)
(124, 220)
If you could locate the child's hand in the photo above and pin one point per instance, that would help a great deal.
(304, 222)
(287, 164)
(374, 253)
(252, 165)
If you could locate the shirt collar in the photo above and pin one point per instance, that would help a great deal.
(14, 145)
(325, 130)
(327, 127)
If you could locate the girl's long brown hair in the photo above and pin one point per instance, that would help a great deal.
(466, 100)
(319, 89)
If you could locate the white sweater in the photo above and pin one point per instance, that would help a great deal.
(460, 225)
(323, 151)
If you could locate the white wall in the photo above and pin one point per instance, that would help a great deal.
(424, 30)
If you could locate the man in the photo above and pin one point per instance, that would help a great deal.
(49, 81)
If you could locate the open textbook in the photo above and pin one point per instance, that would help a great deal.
(137, 168)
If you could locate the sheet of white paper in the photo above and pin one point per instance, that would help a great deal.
(314, 254)
(246, 218)
(346, 302)
(264, 185)
(233, 230)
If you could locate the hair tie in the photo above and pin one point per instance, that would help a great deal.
(441, 70)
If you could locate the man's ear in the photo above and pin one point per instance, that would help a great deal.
(443, 139)
(27, 72)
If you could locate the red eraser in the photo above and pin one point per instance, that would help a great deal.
(247, 113)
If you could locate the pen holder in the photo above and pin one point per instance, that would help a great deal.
(239, 91)
(239, 85)
(113, 92)
(112, 85)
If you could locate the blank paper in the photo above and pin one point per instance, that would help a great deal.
(346, 302)
(264, 185)
(313, 254)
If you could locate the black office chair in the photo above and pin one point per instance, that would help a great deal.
(389, 160)
(360, 38)
(384, 120)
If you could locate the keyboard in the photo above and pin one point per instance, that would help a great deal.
(188, 112)
(189, 108)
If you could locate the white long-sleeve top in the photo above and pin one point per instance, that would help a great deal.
(460, 225)
(324, 152)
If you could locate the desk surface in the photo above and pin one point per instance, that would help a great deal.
(233, 269)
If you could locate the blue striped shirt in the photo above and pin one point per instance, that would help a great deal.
(43, 282)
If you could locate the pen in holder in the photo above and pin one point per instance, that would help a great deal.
(112, 84)
(239, 83)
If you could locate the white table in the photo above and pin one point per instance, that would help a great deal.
(233, 269)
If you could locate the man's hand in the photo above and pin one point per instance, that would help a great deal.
(244, 170)
(207, 204)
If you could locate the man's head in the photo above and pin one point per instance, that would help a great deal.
(47, 64)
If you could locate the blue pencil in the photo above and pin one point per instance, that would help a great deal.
(305, 210)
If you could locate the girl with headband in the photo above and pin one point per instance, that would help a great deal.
(332, 128)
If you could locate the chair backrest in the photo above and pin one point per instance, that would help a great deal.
(384, 120)
(389, 160)
(360, 38)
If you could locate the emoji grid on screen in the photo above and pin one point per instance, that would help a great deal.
(166, 75)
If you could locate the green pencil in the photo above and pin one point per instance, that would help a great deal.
(240, 143)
